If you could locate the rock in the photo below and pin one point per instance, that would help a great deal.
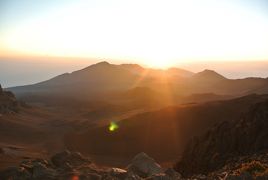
(40, 171)
(118, 173)
(226, 141)
(173, 174)
(200, 177)
(160, 176)
(144, 166)
(132, 176)
(86, 169)
(15, 173)
(67, 158)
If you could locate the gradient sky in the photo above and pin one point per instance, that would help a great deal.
(149, 32)
(152, 31)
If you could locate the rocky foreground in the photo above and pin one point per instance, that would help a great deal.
(239, 145)
(74, 166)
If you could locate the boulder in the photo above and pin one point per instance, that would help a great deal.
(66, 159)
(118, 173)
(173, 174)
(144, 166)
(40, 171)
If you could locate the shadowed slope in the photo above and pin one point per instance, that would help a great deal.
(162, 133)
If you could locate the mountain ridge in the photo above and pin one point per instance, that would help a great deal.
(103, 77)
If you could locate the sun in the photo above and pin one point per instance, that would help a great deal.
(161, 63)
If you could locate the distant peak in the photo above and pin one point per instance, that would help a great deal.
(102, 63)
(133, 66)
(207, 73)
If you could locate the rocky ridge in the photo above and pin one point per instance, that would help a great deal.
(229, 143)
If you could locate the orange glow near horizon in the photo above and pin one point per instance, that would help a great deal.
(162, 34)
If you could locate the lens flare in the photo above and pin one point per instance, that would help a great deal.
(113, 126)
(75, 178)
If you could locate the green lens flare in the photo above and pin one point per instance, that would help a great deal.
(113, 126)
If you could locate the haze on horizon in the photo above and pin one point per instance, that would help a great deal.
(152, 33)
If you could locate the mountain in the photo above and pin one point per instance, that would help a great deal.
(180, 72)
(134, 68)
(98, 81)
(209, 81)
(228, 140)
(98, 77)
(208, 76)
(103, 80)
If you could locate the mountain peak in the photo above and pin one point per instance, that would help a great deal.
(208, 71)
(209, 75)
(102, 63)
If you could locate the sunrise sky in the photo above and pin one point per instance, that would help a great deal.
(149, 32)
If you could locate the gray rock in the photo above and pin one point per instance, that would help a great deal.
(173, 174)
(132, 176)
(144, 166)
(118, 173)
(67, 158)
